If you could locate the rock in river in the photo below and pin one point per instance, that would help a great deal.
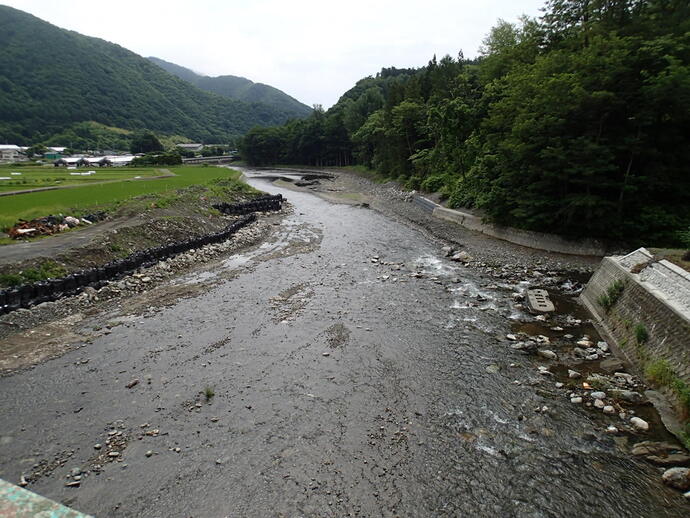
(678, 478)
(550, 355)
(639, 424)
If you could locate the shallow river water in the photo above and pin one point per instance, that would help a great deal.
(342, 386)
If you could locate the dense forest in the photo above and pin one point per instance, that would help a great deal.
(239, 88)
(52, 80)
(577, 122)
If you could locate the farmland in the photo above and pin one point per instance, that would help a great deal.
(21, 178)
(94, 195)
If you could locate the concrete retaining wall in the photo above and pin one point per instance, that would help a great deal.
(538, 240)
(658, 298)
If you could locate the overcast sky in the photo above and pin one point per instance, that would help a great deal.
(313, 50)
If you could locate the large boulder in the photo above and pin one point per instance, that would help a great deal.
(678, 478)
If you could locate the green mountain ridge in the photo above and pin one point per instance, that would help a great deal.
(575, 123)
(53, 78)
(238, 88)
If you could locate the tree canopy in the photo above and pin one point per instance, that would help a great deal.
(574, 123)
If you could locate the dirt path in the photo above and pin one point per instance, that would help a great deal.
(56, 244)
(59, 243)
(342, 368)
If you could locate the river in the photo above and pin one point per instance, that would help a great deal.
(348, 369)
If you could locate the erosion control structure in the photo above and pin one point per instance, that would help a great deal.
(28, 295)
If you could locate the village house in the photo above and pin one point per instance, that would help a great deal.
(11, 153)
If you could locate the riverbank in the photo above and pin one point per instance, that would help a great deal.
(356, 188)
(133, 224)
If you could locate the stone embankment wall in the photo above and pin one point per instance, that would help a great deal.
(649, 319)
(538, 240)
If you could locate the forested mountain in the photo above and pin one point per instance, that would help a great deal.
(238, 88)
(575, 123)
(52, 78)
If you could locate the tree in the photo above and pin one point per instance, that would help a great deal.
(145, 142)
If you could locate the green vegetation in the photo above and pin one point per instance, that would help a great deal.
(105, 196)
(46, 270)
(661, 373)
(53, 79)
(613, 293)
(153, 159)
(91, 135)
(145, 142)
(49, 176)
(641, 334)
(574, 123)
(684, 236)
(238, 88)
(209, 393)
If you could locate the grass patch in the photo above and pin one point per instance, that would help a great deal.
(209, 393)
(46, 270)
(613, 293)
(37, 177)
(92, 197)
(164, 201)
(661, 373)
(641, 334)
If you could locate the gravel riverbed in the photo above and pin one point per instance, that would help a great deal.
(337, 363)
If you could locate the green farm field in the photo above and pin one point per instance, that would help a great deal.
(17, 179)
(79, 200)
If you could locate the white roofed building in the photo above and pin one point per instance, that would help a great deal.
(191, 147)
(10, 153)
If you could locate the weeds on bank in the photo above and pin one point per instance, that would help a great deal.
(46, 270)
(613, 293)
(641, 334)
(662, 374)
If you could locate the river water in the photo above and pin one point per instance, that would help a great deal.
(342, 386)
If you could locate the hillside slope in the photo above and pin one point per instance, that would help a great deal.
(52, 78)
(239, 88)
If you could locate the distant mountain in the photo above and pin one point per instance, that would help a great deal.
(238, 88)
(52, 78)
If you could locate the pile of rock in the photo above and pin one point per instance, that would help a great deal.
(459, 256)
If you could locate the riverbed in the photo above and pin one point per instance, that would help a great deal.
(345, 368)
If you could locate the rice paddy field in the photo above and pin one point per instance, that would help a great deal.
(88, 193)
(17, 179)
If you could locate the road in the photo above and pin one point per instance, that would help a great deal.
(322, 380)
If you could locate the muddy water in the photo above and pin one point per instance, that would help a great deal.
(354, 372)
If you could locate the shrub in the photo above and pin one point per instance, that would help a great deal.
(684, 237)
(659, 372)
(641, 333)
(413, 183)
(434, 183)
(613, 293)
(11, 279)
